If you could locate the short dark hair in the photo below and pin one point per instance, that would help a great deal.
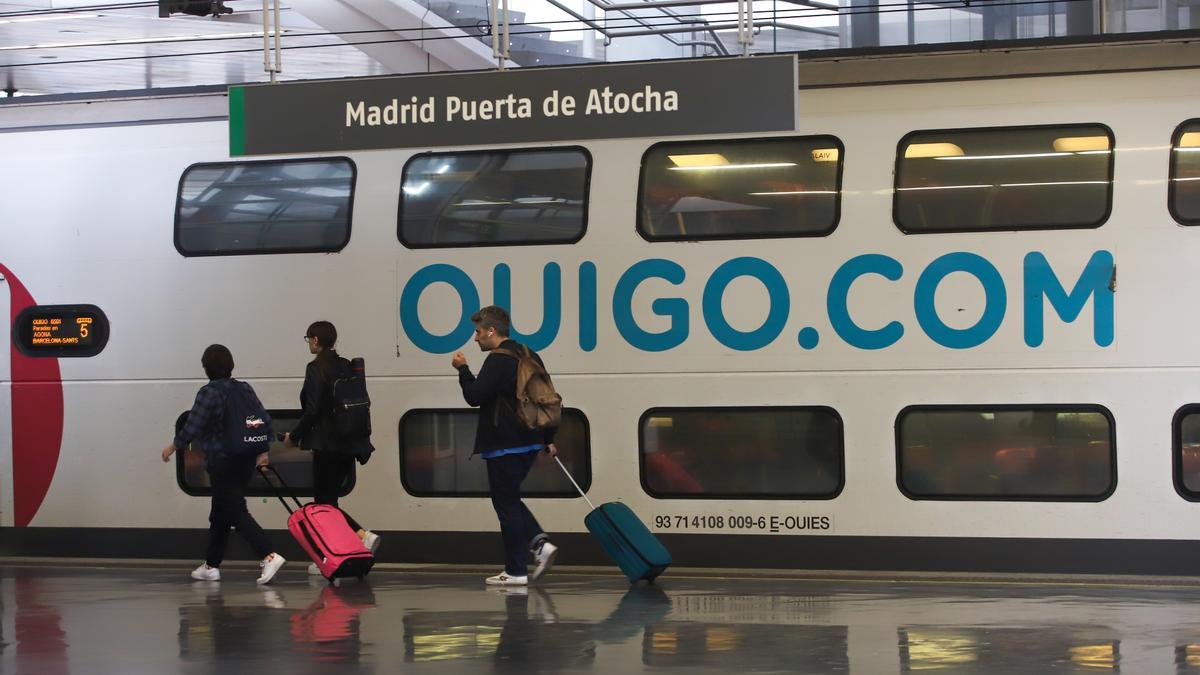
(217, 362)
(492, 316)
(324, 332)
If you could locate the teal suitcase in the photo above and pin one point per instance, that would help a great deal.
(625, 538)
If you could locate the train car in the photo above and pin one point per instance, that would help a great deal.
(941, 322)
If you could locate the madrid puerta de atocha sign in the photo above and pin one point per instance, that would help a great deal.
(654, 99)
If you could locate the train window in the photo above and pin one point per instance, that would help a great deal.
(1184, 198)
(294, 464)
(436, 461)
(284, 206)
(58, 331)
(495, 198)
(770, 187)
(1006, 453)
(786, 453)
(1186, 451)
(1019, 178)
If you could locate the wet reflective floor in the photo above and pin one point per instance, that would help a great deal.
(157, 620)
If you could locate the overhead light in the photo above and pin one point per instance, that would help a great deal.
(825, 155)
(712, 159)
(794, 192)
(721, 167)
(128, 41)
(1189, 142)
(1081, 143)
(922, 150)
(1062, 182)
(943, 187)
(416, 189)
(49, 17)
(1021, 155)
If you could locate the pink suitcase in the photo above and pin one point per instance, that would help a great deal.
(323, 533)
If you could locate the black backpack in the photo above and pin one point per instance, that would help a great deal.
(247, 426)
(351, 404)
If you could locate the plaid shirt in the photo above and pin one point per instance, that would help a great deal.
(204, 421)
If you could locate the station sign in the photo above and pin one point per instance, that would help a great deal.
(60, 330)
(655, 99)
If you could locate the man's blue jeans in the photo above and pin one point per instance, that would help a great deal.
(519, 528)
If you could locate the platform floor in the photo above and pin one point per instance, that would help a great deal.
(154, 619)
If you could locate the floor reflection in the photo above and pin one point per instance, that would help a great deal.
(129, 620)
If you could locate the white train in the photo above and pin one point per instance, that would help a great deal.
(944, 324)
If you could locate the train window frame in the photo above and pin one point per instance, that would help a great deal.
(899, 158)
(1010, 407)
(585, 207)
(658, 410)
(585, 485)
(278, 413)
(1177, 451)
(1173, 173)
(837, 205)
(97, 346)
(279, 251)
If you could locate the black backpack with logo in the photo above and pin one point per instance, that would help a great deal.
(351, 404)
(247, 426)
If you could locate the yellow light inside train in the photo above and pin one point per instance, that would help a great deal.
(922, 150)
(1190, 140)
(1094, 656)
(1081, 143)
(664, 642)
(719, 639)
(712, 159)
(1192, 655)
(825, 155)
(934, 650)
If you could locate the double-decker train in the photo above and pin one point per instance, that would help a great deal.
(944, 323)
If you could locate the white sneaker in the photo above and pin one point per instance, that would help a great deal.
(206, 573)
(314, 571)
(270, 565)
(371, 541)
(505, 579)
(545, 560)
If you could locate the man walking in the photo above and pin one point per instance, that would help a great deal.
(508, 446)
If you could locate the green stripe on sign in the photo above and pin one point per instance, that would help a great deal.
(237, 121)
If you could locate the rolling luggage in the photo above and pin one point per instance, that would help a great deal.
(323, 533)
(624, 537)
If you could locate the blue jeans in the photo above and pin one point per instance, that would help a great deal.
(517, 525)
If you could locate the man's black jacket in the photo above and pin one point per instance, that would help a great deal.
(494, 392)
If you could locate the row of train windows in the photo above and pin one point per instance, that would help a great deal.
(965, 180)
(997, 453)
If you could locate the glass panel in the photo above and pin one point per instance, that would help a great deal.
(495, 198)
(1006, 453)
(742, 452)
(1185, 173)
(1188, 463)
(1004, 179)
(265, 207)
(777, 187)
(436, 460)
(294, 464)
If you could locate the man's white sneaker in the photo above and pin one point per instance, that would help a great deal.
(545, 560)
(506, 579)
(270, 565)
(314, 571)
(371, 541)
(206, 573)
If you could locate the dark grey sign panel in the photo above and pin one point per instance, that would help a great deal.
(517, 106)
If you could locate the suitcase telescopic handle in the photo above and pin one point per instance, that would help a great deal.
(277, 491)
(572, 479)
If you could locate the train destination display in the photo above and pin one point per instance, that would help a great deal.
(61, 330)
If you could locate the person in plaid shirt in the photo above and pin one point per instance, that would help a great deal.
(227, 473)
